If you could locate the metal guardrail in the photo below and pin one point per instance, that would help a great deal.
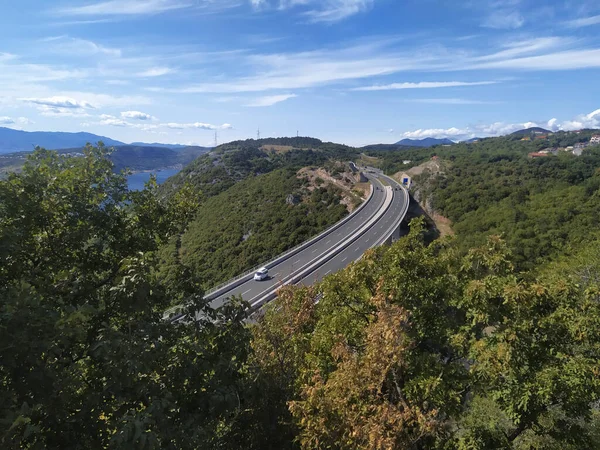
(310, 267)
(293, 250)
(388, 234)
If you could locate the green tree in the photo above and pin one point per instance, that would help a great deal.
(86, 360)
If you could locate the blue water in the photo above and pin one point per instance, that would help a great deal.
(136, 181)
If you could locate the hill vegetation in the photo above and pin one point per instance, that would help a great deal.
(540, 206)
(417, 346)
(131, 157)
(426, 142)
(251, 223)
(17, 140)
(224, 166)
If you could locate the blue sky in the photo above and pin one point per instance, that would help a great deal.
(350, 71)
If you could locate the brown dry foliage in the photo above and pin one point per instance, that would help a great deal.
(361, 405)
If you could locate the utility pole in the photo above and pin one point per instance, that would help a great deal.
(258, 134)
(216, 138)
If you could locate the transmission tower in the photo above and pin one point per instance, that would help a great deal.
(216, 138)
(258, 134)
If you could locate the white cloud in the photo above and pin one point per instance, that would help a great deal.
(59, 102)
(591, 120)
(81, 47)
(502, 19)
(15, 123)
(60, 106)
(564, 60)
(434, 132)
(125, 7)
(292, 71)
(423, 85)
(451, 101)
(270, 100)
(584, 22)
(113, 121)
(325, 11)
(198, 125)
(336, 10)
(155, 72)
(24, 121)
(136, 115)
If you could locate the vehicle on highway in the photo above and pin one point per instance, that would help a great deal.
(261, 274)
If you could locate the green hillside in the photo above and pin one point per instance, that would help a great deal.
(476, 342)
(251, 223)
(132, 157)
(540, 206)
(220, 169)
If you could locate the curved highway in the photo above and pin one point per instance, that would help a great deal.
(255, 291)
(369, 240)
(252, 290)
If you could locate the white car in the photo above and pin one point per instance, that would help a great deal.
(261, 274)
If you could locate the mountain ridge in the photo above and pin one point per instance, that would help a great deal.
(12, 140)
(426, 142)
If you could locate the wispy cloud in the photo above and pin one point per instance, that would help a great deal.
(79, 47)
(584, 22)
(137, 115)
(14, 123)
(270, 100)
(504, 20)
(451, 101)
(125, 7)
(336, 10)
(155, 72)
(198, 125)
(591, 120)
(562, 60)
(59, 102)
(323, 11)
(424, 85)
(106, 119)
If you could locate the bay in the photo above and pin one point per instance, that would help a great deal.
(136, 181)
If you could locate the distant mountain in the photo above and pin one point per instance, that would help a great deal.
(158, 145)
(530, 131)
(17, 140)
(132, 157)
(427, 142)
(385, 147)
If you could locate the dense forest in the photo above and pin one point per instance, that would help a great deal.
(243, 218)
(540, 206)
(251, 223)
(454, 344)
(229, 163)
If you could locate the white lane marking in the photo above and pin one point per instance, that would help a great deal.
(344, 259)
(328, 242)
(244, 293)
(315, 250)
(328, 273)
(297, 261)
(357, 249)
(367, 240)
(276, 275)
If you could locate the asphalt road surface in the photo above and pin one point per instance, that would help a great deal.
(368, 240)
(251, 289)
